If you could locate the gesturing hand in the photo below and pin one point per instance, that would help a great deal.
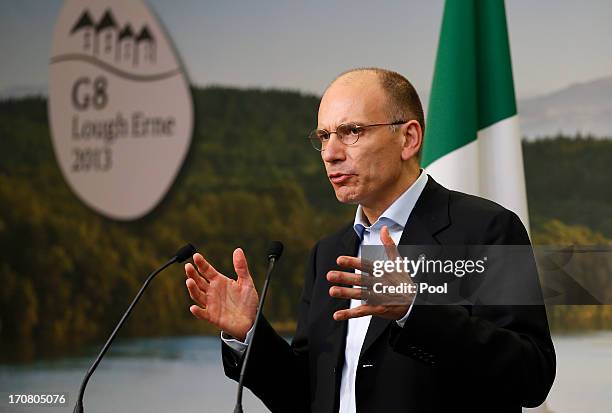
(392, 312)
(229, 304)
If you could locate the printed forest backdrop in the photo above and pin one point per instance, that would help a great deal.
(250, 177)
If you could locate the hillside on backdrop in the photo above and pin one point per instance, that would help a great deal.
(581, 108)
(250, 177)
(584, 108)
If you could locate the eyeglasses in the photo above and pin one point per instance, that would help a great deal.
(348, 133)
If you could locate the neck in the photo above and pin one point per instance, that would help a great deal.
(374, 209)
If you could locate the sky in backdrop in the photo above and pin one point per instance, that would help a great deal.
(302, 45)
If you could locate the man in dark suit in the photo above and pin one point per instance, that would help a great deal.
(347, 356)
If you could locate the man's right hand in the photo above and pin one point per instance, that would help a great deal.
(229, 304)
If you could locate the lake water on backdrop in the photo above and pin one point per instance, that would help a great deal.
(185, 374)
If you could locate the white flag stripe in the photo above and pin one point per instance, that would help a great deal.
(458, 170)
(490, 166)
(502, 176)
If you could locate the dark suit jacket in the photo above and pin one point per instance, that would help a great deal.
(445, 359)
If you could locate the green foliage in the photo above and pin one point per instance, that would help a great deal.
(555, 232)
(570, 180)
(595, 270)
(68, 273)
(569, 191)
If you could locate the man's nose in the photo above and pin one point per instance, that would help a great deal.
(334, 150)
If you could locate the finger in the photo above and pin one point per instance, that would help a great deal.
(387, 241)
(359, 311)
(198, 312)
(200, 281)
(195, 293)
(241, 266)
(346, 278)
(346, 292)
(360, 264)
(205, 269)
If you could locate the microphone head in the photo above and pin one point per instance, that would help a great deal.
(275, 250)
(185, 252)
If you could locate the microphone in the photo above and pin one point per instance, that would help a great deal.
(183, 254)
(275, 250)
(274, 253)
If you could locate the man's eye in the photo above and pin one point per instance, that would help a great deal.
(350, 129)
(323, 135)
(353, 129)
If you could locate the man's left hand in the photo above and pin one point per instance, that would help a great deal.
(391, 312)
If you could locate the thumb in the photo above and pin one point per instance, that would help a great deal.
(387, 241)
(241, 266)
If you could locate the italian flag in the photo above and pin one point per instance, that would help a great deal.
(472, 138)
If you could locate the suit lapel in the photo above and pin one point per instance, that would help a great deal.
(429, 216)
(349, 245)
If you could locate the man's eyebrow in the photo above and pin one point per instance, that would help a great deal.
(345, 122)
(341, 121)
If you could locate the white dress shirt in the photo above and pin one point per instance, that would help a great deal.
(394, 217)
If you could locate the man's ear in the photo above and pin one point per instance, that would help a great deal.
(412, 134)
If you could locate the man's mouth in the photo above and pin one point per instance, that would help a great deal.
(339, 178)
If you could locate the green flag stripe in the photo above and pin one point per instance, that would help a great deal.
(452, 116)
(472, 86)
(493, 64)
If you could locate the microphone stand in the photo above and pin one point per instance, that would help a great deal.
(183, 254)
(274, 253)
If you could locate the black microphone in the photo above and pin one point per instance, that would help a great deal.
(275, 250)
(181, 255)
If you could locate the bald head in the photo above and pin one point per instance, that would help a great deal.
(402, 100)
(353, 97)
